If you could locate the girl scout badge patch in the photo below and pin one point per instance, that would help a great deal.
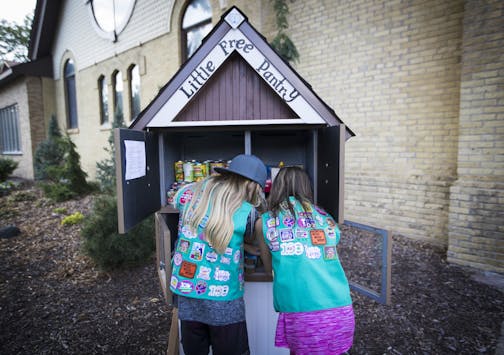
(318, 237)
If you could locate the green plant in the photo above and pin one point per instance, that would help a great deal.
(7, 166)
(282, 43)
(57, 192)
(15, 39)
(64, 181)
(60, 210)
(6, 187)
(72, 171)
(106, 247)
(50, 153)
(75, 218)
(105, 169)
(20, 196)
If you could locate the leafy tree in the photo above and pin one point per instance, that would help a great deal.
(15, 39)
(282, 43)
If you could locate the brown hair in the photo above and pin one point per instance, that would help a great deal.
(290, 181)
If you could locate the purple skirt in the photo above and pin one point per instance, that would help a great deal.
(319, 332)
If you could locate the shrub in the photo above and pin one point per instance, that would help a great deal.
(105, 169)
(58, 192)
(65, 181)
(72, 171)
(60, 210)
(108, 248)
(20, 196)
(49, 153)
(75, 218)
(7, 166)
(6, 187)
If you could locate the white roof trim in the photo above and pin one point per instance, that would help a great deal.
(234, 18)
(234, 40)
(286, 121)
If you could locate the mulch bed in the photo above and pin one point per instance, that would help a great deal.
(53, 300)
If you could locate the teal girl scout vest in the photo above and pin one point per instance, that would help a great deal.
(308, 274)
(197, 270)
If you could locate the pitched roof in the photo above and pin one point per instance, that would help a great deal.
(43, 30)
(41, 67)
(39, 49)
(232, 36)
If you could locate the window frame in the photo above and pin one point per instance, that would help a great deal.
(133, 113)
(13, 132)
(70, 83)
(103, 100)
(184, 31)
(118, 27)
(115, 100)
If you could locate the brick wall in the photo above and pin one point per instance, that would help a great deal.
(391, 71)
(476, 231)
(38, 126)
(16, 93)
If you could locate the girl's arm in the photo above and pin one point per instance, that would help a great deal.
(265, 252)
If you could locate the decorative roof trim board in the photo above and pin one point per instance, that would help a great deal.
(218, 45)
(185, 70)
(283, 121)
(234, 18)
(233, 41)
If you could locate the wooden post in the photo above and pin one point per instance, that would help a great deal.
(173, 339)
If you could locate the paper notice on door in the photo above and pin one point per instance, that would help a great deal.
(135, 159)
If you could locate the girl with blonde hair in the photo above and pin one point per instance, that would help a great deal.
(216, 215)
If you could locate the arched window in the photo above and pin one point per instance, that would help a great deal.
(110, 17)
(134, 89)
(103, 93)
(117, 83)
(70, 94)
(196, 24)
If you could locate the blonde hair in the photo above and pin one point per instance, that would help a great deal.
(222, 195)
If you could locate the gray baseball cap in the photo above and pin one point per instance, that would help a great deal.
(248, 166)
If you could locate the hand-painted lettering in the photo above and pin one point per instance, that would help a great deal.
(277, 83)
(197, 78)
(227, 46)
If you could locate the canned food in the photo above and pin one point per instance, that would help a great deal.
(206, 168)
(170, 194)
(216, 164)
(198, 171)
(179, 171)
(188, 171)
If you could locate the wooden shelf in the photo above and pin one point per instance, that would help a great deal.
(168, 209)
(258, 276)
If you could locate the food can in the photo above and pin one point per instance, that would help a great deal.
(216, 164)
(206, 168)
(179, 171)
(198, 171)
(188, 171)
(170, 194)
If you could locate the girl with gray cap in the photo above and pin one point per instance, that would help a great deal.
(216, 215)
